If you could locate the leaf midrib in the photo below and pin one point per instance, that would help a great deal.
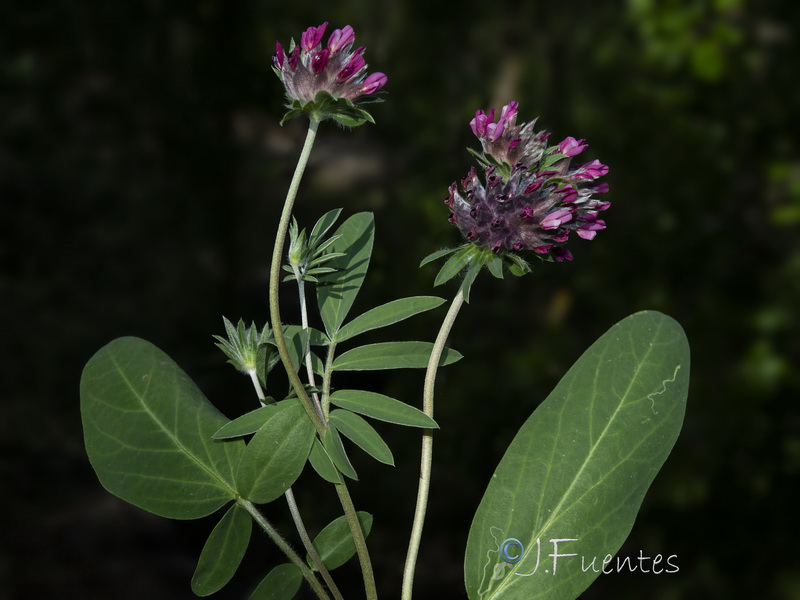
(509, 580)
(214, 475)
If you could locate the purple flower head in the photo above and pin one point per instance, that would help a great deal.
(537, 201)
(505, 141)
(308, 68)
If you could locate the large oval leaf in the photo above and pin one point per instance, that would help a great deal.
(223, 552)
(572, 480)
(276, 455)
(148, 433)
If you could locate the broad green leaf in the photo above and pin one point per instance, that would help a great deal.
(363, 435)
(248, 423)
(580, 465)
(382, 408)
(222, 552)
(282, 583)
(275, 456)
(323, 464)
(335, 545)
(337, 291)
(392, 355)
(388, 314)
(147, 429)
(335, 448)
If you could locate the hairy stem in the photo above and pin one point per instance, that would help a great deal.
(341, 488)
(326, 380)
(283, 351)
(312, 552)
(297, 518)
(285, 547)
(427, 446)
(301, 292)
(360, 542)
(275, 280)
(257, 385)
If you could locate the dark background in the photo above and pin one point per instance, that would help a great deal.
(141, 174)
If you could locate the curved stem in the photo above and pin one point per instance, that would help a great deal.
(275, 280)
(285, 547)
(309, 546)
(341, 489)
(427, 445)
(297, 518)
(283, 351)
(360, 542)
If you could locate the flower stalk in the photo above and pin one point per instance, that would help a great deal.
(274, 281)
(314, 413)
(427, 445)
(297, 517)
(285, 548)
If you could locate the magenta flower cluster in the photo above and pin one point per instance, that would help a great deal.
(308, 68)
(531, 196)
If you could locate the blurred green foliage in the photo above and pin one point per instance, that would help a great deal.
(141, 176)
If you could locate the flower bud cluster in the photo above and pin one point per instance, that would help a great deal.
(531, 197)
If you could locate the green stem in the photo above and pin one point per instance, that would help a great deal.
(358, 537)
(275, 280)
(257, 385)
(301, 292)
(283, 351)
(309, 546)
(297, 518)
(326, 380)
(427, 445)
(285, 547)
(344, 495)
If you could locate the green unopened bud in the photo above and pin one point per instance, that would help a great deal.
(247, 349)
(298, 247)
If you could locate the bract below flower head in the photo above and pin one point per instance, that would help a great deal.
(535, 208)
(327, 81)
